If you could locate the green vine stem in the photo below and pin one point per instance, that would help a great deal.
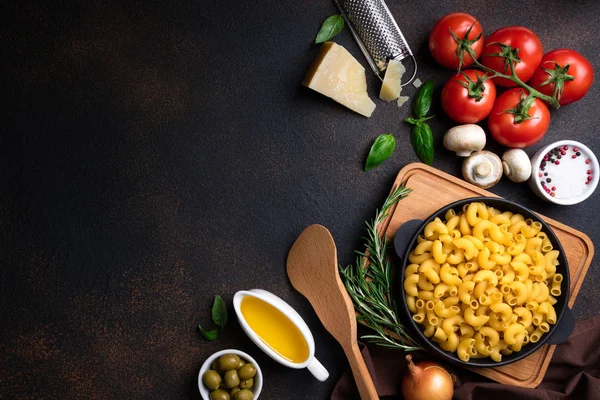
(512, 77)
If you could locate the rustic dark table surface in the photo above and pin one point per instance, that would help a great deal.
(156, 154)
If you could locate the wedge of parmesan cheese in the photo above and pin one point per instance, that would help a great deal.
(336, 74)
(392, 81)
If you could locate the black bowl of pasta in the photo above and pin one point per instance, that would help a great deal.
(484, 282)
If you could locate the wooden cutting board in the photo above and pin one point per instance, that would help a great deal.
(433, 189)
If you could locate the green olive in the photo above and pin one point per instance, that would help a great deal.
(247, 384)
(228, 362)
(215, 367)
(241, 363)
(244, 394)
(231, 379)
(219, 395)
(233, 391)
(247, 371)
(211, 379)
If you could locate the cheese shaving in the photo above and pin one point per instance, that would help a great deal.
(392, 81)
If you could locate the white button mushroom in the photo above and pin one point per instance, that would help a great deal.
(464, 139)
(483, 169)
(517, 166)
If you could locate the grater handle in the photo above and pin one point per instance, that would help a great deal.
(414, 73)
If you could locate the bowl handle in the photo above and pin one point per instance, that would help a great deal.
(404, 235)
(563, 329)
(318, 370)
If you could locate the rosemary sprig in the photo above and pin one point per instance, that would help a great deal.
(369, 283)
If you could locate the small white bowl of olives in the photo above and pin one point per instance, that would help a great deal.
(230, 375)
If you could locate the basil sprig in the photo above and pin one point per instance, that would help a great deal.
(219, 317)
(382, 148)
(330, 28)
(421, 136)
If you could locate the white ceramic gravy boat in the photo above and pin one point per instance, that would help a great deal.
(311, 363)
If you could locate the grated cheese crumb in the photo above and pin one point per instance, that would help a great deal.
(402, 100)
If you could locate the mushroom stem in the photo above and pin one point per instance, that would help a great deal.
(483, 169)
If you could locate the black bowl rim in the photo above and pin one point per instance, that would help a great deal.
(528, 349)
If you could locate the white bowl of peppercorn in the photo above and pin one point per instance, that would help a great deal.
(565, 172)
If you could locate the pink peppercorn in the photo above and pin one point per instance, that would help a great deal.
(553, 188)
(574, 156)
(552, 194)
(589, 178)
(587, 161)
(589, 171)
(557, 162)
(565, 147)
(575, 149)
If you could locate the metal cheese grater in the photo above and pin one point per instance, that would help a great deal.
(376, 33)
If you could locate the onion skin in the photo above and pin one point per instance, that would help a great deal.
(427, 381)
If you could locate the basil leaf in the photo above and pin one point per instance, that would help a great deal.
(380, 151)
(423, 98)
(209, 335)
(219, 312)
(422, 141)
(330, 28)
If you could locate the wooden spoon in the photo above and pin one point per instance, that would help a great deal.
(313, 269)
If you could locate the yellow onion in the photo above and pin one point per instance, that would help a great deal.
(427, 381)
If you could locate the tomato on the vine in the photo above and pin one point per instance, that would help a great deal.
(446, 49)
(557, 67)
(468, 97)
(529, 54)
(504, 124)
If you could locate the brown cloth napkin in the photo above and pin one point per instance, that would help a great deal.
(574, 373)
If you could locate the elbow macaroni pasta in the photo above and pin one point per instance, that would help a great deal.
(483, 283)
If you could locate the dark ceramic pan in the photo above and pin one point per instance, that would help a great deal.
(406, 240)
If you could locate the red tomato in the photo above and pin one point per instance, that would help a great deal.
(518, 37)
(443, 46)
(505, 130)
(458, 103)
(579, 68)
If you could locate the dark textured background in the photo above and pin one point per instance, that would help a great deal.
(155, 154)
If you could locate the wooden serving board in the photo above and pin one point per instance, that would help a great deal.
(433, 189)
